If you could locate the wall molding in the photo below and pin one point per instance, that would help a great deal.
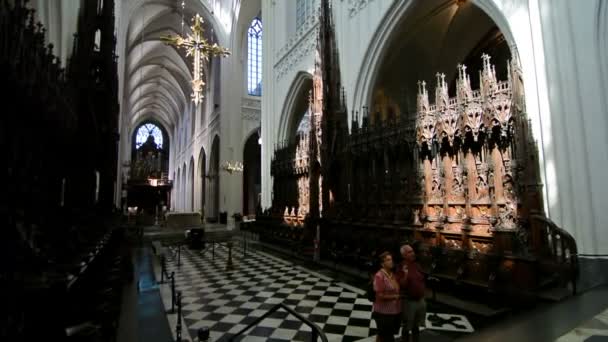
(251, 109)
(311, 22)
(247, 102)
(299, 46)
(355, 6)
(304, 48)
(251, 115)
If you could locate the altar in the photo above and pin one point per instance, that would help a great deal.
(147, 184)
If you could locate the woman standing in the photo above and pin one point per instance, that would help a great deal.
(387, 306)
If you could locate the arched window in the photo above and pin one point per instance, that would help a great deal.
(97, 45)
(254, 58)
(146, 130)
(303, 10)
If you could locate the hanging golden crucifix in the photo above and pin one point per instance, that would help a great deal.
(197, 46)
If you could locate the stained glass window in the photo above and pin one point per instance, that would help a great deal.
(146, 130)
(254, 58)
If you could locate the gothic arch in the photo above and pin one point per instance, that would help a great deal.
(252, 160)
(214, 179)
(248, 11)
(201, 174)
(162, 124)
(176, 190)
(298, 91)
(512, 24)
(190, 192)
(381, 41)
(184, 186)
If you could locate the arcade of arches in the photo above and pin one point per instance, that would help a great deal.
(473, 131)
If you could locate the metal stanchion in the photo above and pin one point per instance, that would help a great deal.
(172, 292)
(178, 326)
(162, 269)
(229, 266)
(244, 243)
(179, 255)
(203, 334)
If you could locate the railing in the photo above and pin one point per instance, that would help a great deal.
(164, 274)
(561, 247)
(316, 332)
(178, 324)
(176, 297)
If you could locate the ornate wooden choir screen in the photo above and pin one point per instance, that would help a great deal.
(459, 172)
(460, 178)
(461, 175)
(477, 162)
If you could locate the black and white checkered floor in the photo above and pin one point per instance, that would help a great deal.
(226, 302)
(596, 329)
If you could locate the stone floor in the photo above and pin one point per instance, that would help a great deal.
(595, 329)
(227, 301)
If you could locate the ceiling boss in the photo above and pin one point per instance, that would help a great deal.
(197, 46)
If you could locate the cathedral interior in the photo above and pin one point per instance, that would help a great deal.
(239, 170)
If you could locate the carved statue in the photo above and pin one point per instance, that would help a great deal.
(506, 218)
(449, 125)
(416, 219)
(498, 115)
(509, 189)
(481, 182)
(437, 213)
(457, 182)
(426, 131)
(472, 121)
(436, 184)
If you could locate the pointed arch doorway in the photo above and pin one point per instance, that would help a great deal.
(202, 174)
(252, 160)
(214, 181)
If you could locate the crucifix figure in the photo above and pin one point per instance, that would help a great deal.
(197, 46)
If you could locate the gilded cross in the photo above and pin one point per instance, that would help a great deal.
(197, 46)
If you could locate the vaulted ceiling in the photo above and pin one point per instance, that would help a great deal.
(156, 77)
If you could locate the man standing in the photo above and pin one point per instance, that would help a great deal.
(411, 281)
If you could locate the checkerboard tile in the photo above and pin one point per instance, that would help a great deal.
(448, 322)
(596, 329)
(228, 301)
